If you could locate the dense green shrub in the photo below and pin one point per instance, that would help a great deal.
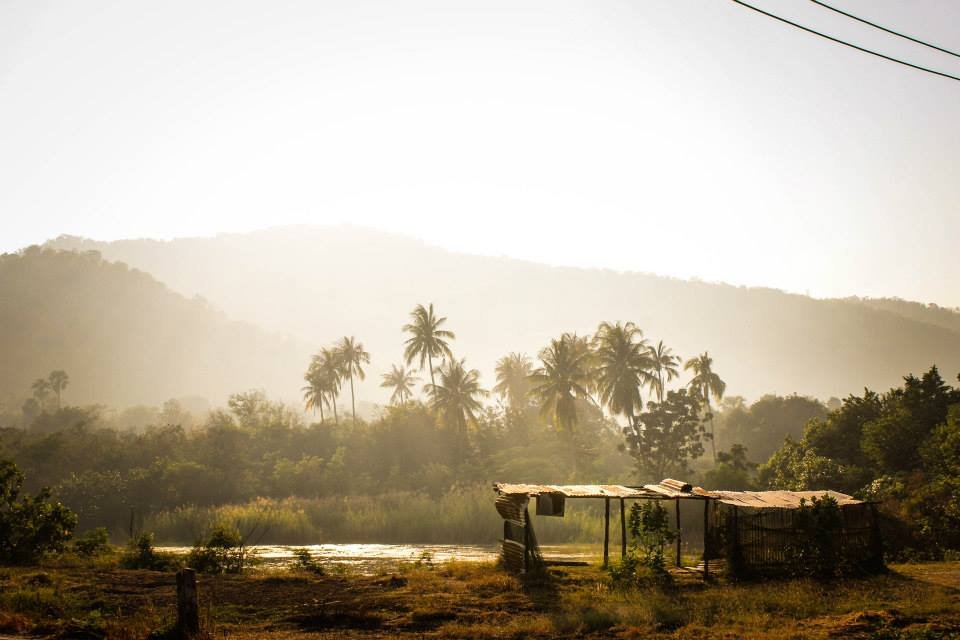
(223, 551)
(92, 543)
(30, 526)
(142, 555)
(650, 533)
(900, 448)
(816, 550)
(304, 561)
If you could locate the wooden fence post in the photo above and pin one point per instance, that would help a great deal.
(188, 603)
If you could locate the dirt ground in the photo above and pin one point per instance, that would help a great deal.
(473, 600)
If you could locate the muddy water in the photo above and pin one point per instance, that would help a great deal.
(376, 558)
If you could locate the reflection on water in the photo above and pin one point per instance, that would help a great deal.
(376, 558)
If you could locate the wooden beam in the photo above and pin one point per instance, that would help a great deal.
(677, 509)
(606, 532)
(623, 529)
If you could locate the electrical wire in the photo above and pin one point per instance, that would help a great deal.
(882, 28)
(847, 44)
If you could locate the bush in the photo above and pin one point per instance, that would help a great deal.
(306, 562)
(816, 551)
(142, 555)
(92, 543)
(222, 552)
(650, 533)
(30, 526)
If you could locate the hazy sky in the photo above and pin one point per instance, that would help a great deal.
(691, 138)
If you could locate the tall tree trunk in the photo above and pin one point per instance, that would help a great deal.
(336, 419)
(462, 438)
(353, 402)
(660, 386)
(58, 399)
(321, 408)
(713, 439)
(433, 383)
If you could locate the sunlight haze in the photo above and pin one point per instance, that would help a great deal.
(692, 139)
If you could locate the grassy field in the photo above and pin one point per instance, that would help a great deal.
(473, 600)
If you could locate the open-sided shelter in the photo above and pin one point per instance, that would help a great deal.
(757, 528)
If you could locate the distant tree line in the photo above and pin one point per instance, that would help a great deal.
(611, 370)
(590, 408)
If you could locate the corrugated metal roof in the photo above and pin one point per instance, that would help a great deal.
(669, 488)
(575, 490)
(777, 499)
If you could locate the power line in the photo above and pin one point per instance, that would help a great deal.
(847, 44)
(877, 26)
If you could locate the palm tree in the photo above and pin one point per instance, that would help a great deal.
(664, 364)
(623, 365)
(313, 393)
(330, 373)
(401, 381)
(41, 390)
(706, 383)
(352, 359)
(564, 377)
(427, 340)
(457, 397)
(58, 382)
(513, 379)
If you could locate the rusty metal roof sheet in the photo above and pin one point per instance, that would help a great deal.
(669, 488)
(575, 490)
(777, 499)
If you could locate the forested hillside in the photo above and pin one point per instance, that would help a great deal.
(929, 313)
(124, 337)
(320, 283)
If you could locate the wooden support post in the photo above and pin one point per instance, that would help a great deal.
(526, 540)
(677, 509)
(876, 541)
(623, 529)
(188, 603)
(734, 557)
(606, 532)
(706, 540)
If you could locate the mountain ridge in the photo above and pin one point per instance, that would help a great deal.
(319, 283)
(124, 337)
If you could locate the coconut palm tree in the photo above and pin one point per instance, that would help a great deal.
(401, 381)
(313, 393)
(41, 391)
(623, 365)
(58, 382)
(352, 359)
(563, 377)
(513, 379)
(664, 364)
(706, 383)
(457, 397)
(330, 374)
(427, 340)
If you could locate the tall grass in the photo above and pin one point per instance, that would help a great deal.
(460, 516)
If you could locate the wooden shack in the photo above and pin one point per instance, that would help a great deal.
(756, 528)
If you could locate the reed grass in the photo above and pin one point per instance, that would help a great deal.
(460, 516)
